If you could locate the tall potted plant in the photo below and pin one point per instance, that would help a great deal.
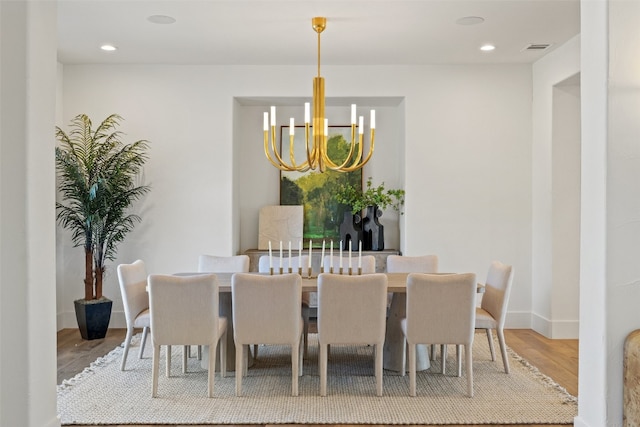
(97, 183)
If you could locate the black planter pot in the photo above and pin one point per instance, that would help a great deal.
(373, 231)
(93, 317)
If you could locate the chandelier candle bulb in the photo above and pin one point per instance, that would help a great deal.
(373, 119)
(361, 126)
(266, 121)
(307, 114)
(353, 114)
(273, 115)
(292, 126)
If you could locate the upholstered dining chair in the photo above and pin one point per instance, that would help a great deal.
(398, 302)
(267, 310)
(493, 309)
(223, 264)
(351, 310)
(295, 262)
(184, 311)
(440, 310)
(135, 299)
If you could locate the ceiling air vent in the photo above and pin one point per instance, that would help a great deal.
(537, 46)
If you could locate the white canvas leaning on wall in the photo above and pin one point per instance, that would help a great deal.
(280, 224)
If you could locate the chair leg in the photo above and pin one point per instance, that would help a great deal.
(255, 351)
(469, 366)
(185, 352)
(412, 369)
(223, 355)
(295, 365)
(404, 355)
(145, 330)
(491, 349)
(323, 369)
(305, 318)
(378, 350)
(212, 368)
(154, 370)
(433, 352)
(443, 362)
(503, 349)
(168, 368)
(239, 368)
(199, 352)
(300, 356)
(459, 359)
(127, 343)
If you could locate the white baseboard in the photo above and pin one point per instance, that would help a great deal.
(579, 422)
(68, 320)
(558, 329)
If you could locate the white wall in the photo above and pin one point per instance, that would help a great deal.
(549, 71)
(27, 232)
(456, 137)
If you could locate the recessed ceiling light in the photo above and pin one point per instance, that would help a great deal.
(161, 19)
(487, 47)
(470, 20)
(108, 47)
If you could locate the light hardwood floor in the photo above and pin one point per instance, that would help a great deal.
(555, 358)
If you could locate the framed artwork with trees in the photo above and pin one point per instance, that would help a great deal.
(316, 191)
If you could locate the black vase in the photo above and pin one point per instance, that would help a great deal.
(373, 231)
(93, 317)
(351, 230)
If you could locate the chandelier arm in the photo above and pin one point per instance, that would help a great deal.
(278, 162)
(311, 156)
(355, 167)
(334, 166)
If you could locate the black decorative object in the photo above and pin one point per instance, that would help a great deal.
(351, 230)
(93, 317)
(373, 230)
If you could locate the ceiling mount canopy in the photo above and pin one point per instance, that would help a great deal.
(347, 156)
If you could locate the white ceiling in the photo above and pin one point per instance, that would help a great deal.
(278, 32)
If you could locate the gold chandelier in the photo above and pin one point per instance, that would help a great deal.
(317, 156)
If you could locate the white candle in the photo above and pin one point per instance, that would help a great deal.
(292, 126)
(340, 254)
(322, 256)
(310, 253)
(280, 266)
(270, 256)
(353, 114)
(266, 121)
(360, 254)
(307, 115)
(300, 255)
(373, 119)
(273, 115)
(361, 125)
(349, 254)
(331, 255)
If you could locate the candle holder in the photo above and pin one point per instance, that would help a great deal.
(300, 271)
(281, 270)
(321, 269)
(359, 271)
(309, 273)
(331, 270)
(290, 270)
(340, 270)
(270, 271)
(350, 272)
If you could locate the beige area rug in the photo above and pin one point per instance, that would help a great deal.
(103, 394)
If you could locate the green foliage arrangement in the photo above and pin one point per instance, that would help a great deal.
(96, 179)
(371, 196)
